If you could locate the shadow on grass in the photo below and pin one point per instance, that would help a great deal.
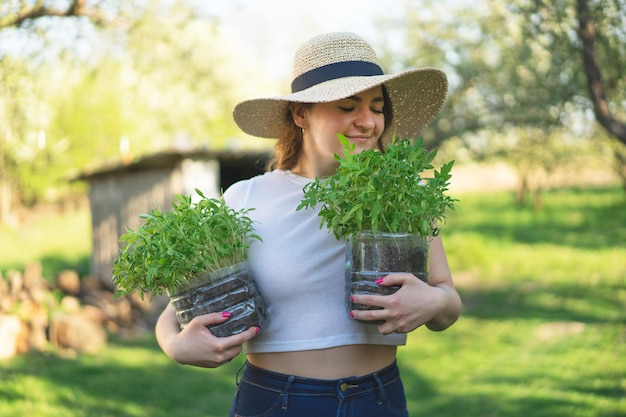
(131, 379)
(549, 302)
(51, 265)
(508, 395)
(495, 404)
(113, 384)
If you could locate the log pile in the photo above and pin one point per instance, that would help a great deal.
(69, 314)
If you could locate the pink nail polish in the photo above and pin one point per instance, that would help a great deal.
(351, 299)
(258, 329)
(351, 314)
(379, 280)
(226, 314)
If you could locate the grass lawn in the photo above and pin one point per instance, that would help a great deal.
(543, 332)
(58, 242)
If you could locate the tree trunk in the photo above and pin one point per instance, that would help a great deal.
(620, 166)
(5, 202)
(5, 191)
(28, 12)
(522, 190)
(587, 33)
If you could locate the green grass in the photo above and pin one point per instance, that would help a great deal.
(543, 331)
(57, 241)
(127, 379)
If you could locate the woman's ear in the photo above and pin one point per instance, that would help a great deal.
(298, 113)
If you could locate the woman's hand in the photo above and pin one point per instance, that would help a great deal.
(435, 304)
(416, 303)
(195, 344)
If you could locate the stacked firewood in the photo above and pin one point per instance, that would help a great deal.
(69, 314)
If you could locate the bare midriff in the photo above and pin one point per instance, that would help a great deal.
(332, 363)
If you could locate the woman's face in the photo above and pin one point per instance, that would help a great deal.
(360, 118)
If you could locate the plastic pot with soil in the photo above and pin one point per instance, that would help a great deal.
(230, 289)
(197, 254)
(370, 256)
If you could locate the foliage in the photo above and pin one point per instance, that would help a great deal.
(149, 80)
(92, 117)
(20, 13)
(514, 63)
(515, 67)
(176, 80)
(173, 247)
(382, 191)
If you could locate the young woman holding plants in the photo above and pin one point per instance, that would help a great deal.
(314, 358)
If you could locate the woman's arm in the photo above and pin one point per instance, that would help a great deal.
(195, 344)
(441, 278)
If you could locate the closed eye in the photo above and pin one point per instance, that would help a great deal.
(349, 109)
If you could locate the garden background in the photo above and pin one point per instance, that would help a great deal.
(537, 244)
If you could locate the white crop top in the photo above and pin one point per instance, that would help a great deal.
(299, 269)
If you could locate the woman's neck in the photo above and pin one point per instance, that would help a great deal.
(314, 169)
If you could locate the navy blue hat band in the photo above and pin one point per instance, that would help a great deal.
(334, 71)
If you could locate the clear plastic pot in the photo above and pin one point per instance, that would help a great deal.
(231, 289)
(370, 256)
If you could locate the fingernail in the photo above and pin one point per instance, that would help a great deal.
(379, 280)
(226, 314)
(258, 329)
(351, 299)
(351, 314)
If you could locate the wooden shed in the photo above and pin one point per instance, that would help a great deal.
(119, 193)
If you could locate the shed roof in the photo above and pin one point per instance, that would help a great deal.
(169, 159)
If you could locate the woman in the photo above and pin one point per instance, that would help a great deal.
(313, 358)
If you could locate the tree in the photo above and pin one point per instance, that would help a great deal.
(186, 81)
(31, 157)
(591, 38)
(595, 83)
(164, 73)
(16, 13)
(516, 67)
(601, 106)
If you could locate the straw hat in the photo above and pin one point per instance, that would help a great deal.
(334, 66)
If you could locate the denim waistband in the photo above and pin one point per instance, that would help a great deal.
(342, 387)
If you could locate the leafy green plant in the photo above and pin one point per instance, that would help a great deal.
(173, 247)
(382, 191)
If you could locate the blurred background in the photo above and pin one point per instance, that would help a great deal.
(110, 106)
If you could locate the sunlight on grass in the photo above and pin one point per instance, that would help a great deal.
(515, 367)
(540, 261)
(575, 238)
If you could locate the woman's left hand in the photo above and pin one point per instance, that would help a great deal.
(416, 303)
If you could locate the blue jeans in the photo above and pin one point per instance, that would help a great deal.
(262, 393)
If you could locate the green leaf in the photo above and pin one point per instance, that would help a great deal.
(172, 246)
(381, 190)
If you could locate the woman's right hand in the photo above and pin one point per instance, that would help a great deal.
(195, 344)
